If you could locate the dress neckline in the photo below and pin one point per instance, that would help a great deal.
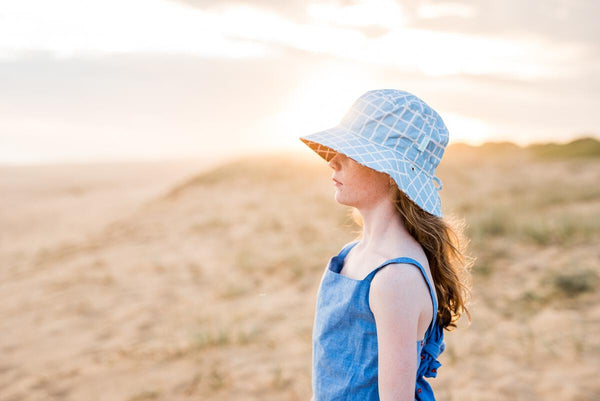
(341, 257)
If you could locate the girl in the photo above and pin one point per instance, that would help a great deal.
(385, 298)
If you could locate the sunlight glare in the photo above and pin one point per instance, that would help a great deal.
(320, 101)
(471, 131)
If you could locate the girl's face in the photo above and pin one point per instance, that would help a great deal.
(357, 185)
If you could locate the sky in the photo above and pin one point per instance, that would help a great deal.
(88, 81)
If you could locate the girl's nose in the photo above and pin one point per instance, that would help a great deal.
(334, 161)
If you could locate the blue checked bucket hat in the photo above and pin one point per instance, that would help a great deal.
(394, 132)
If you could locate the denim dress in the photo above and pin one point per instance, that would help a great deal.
(344, 338)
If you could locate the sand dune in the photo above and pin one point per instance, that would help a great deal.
(169, 282)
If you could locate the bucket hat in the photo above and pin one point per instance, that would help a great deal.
(394, 132)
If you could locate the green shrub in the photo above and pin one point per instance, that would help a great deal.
(573, 284)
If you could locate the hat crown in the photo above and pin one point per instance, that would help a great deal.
(402, 122)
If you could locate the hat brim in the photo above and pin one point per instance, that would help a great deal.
(414, 182)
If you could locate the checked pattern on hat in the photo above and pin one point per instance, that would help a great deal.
(406, 126)
(399, 135)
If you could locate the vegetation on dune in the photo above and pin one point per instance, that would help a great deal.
(587, 147)
(584, 147)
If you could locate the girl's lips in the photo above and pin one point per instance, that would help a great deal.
(336, 182)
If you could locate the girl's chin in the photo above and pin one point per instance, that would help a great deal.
(339, 198)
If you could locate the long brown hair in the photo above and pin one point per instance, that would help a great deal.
(445, 246)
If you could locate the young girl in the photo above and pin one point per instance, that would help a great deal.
(386, 297)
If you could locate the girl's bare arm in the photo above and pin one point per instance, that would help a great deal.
(397, 316)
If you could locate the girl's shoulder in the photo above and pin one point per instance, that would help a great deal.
(401, 280)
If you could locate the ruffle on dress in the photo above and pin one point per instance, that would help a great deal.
(433, 347)
(429, 365)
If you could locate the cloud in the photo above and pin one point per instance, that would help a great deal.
(337, 14)
(444, 38)
(379, 32)
(295, 10)
(71, 28)
(445, 9)
(555, 21)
